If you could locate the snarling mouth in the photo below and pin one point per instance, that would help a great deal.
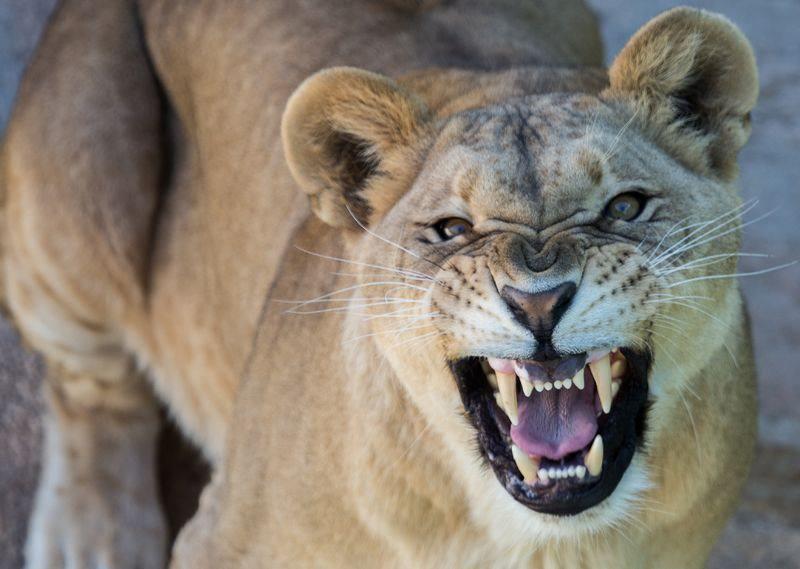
(559, 434)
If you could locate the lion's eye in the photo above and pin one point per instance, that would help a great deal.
(452, 227)
(625, 207)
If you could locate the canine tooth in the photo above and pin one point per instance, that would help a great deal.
(507, 382)
(557, 384)
(567, 383)
(594, 458)
(543, 476)
(527, 466)
(577, 379)
(548, 386)
(527, 386)
(539, 386)
(618, 367)
(601, 369)
(615, 385)
(580, 471)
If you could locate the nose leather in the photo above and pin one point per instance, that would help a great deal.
(540, 311)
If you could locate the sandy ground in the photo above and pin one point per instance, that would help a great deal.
(766, 530)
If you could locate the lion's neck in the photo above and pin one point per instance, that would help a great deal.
(398, 475)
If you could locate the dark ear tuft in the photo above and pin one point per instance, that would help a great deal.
(356, 165)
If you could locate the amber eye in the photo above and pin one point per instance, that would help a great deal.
(452, 227)
(625, 207)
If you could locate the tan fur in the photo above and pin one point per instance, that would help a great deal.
(164, 234)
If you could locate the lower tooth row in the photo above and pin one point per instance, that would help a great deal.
(555, 473)
(529, 466)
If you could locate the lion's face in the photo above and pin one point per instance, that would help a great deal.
(547, 268)
(545, 244)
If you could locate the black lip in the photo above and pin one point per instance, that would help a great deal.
(622, 431)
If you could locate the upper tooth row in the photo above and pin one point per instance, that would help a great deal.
(602, 370)
(546, 385)
(528, 386)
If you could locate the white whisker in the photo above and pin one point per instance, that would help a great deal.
(709, 260)
(363, 285)
(709, 236)
(732, 275)
(408, 272)
(415, 339)
(694, 244)
(701, 226)
(668, 296)
(706, 313)
(380, 299)
(668, 326)
(409, 317)
(379, 275)
(701, 311)
(674, 345)
(617, 138)
(381, 238)
(694, 429)
(408, 448)
(404, 312)
(345, 308)
(396, 331)
(669, 318)
(661, 242)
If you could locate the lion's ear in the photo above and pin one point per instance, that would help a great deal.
(351, 140)
(693, 76)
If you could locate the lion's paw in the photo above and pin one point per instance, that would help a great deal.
(85, 527)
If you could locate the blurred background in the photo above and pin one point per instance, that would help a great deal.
(765, 532)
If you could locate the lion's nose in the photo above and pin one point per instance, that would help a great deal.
(540, 311)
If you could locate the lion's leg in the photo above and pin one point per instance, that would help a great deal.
(97, 504)
(82, 168)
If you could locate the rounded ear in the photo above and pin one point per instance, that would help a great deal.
(693, 75)
(351, 139)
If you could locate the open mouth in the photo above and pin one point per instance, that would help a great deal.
(559, 434)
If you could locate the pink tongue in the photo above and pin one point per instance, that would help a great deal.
(556, 423)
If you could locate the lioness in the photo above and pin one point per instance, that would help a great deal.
(508, 337)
